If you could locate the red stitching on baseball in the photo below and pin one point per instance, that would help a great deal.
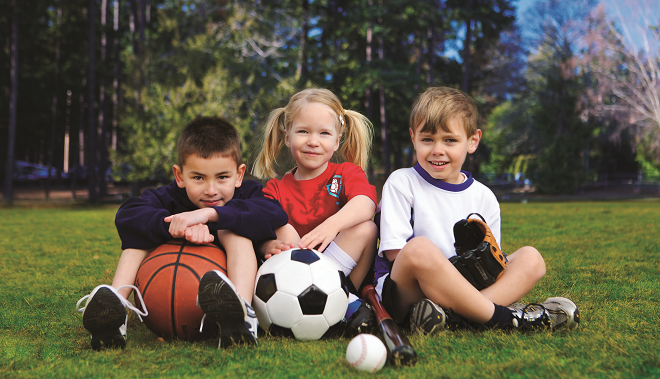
(363, 355)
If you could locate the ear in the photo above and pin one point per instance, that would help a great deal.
(240, 174)
(474, 141)
(286, 139)
(412, 137)
(178, 176)
(337, 143)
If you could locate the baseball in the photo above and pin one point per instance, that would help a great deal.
(366, 353)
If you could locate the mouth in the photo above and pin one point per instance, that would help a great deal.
(211, 203)
(311, 153)
(438, 164)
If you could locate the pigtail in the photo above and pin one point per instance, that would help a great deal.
(358, 134)
(274, 137)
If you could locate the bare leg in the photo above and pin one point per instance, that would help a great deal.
(422, 270)
(359, 242)
(127, 269)
(241, 262)
(525, 268)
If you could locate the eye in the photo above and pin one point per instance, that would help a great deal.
(197, 177)
(451, 140)
(301, 131)
(427, 139)
(223, 177)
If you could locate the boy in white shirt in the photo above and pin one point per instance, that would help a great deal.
(418, 210)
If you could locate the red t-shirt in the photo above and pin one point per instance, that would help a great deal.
(310, 202)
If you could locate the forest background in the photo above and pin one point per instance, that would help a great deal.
(95, 92)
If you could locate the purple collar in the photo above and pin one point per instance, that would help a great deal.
(442, 184)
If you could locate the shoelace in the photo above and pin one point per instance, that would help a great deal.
(125, 302)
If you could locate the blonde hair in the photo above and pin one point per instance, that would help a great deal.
(356, 131)
(437, 105)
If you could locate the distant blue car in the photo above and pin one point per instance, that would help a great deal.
(32, 172)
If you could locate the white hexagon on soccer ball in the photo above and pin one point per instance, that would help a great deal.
(322, 279)
(335, 306)
(293, 277)
(311, 327)
(284, 309)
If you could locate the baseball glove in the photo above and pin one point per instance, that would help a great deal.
(478, 256)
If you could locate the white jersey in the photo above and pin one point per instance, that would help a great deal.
(415, 204)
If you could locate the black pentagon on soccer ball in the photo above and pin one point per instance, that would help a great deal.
(277, 330)
(312, 300)
(266, 287)
(304, 256)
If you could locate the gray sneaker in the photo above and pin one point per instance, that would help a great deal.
(428, 317)
(555, 313)
(236, 320)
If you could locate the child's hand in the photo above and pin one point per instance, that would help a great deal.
(275, 247)
(321, 235)
(199, 234)
(180, 222)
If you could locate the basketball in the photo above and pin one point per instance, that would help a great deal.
(169, 279)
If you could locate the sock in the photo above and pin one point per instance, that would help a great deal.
(502, 318)
(353, 305)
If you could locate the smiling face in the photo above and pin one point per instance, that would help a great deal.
(209, 181)
(442, 154)
(312, 139)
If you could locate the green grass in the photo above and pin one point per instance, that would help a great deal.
(603, 255)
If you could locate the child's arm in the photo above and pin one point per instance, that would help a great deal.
(287, 238)
(192, 225)
(140, 221)
(359, 209)
(249, 214)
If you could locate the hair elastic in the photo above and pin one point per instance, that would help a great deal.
(341, 120)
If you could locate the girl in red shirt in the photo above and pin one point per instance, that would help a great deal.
(330, 206)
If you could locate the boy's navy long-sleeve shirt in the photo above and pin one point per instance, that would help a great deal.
(249, 214)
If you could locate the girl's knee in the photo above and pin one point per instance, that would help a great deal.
(365, 230)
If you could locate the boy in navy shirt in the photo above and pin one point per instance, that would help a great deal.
(208, 202)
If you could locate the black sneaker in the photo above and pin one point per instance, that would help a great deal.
(360, 318)
(428, 317)
(104, 315)
(218, 298)
(555, 313)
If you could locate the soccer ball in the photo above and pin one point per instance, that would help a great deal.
(300, 292)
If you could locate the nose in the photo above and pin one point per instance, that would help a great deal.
(438, 149)
(211, 188)
(313, 140)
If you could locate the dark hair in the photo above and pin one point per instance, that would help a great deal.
(209, 136)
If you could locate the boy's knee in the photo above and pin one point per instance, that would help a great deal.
(533, 261)
(421, 251)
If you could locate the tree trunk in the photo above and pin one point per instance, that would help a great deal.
(13, 103)
(301, 71)
(103, 109)
(91, 128)
(465, 83)
(383, 116)
(115, 80)
(55, 94)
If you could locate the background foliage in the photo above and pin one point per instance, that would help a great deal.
(562, 92)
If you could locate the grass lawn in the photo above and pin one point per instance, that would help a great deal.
(605, 256)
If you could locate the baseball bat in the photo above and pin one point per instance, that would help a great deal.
(400, 351)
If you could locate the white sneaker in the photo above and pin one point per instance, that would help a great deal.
(104, 315)
(236, 320)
